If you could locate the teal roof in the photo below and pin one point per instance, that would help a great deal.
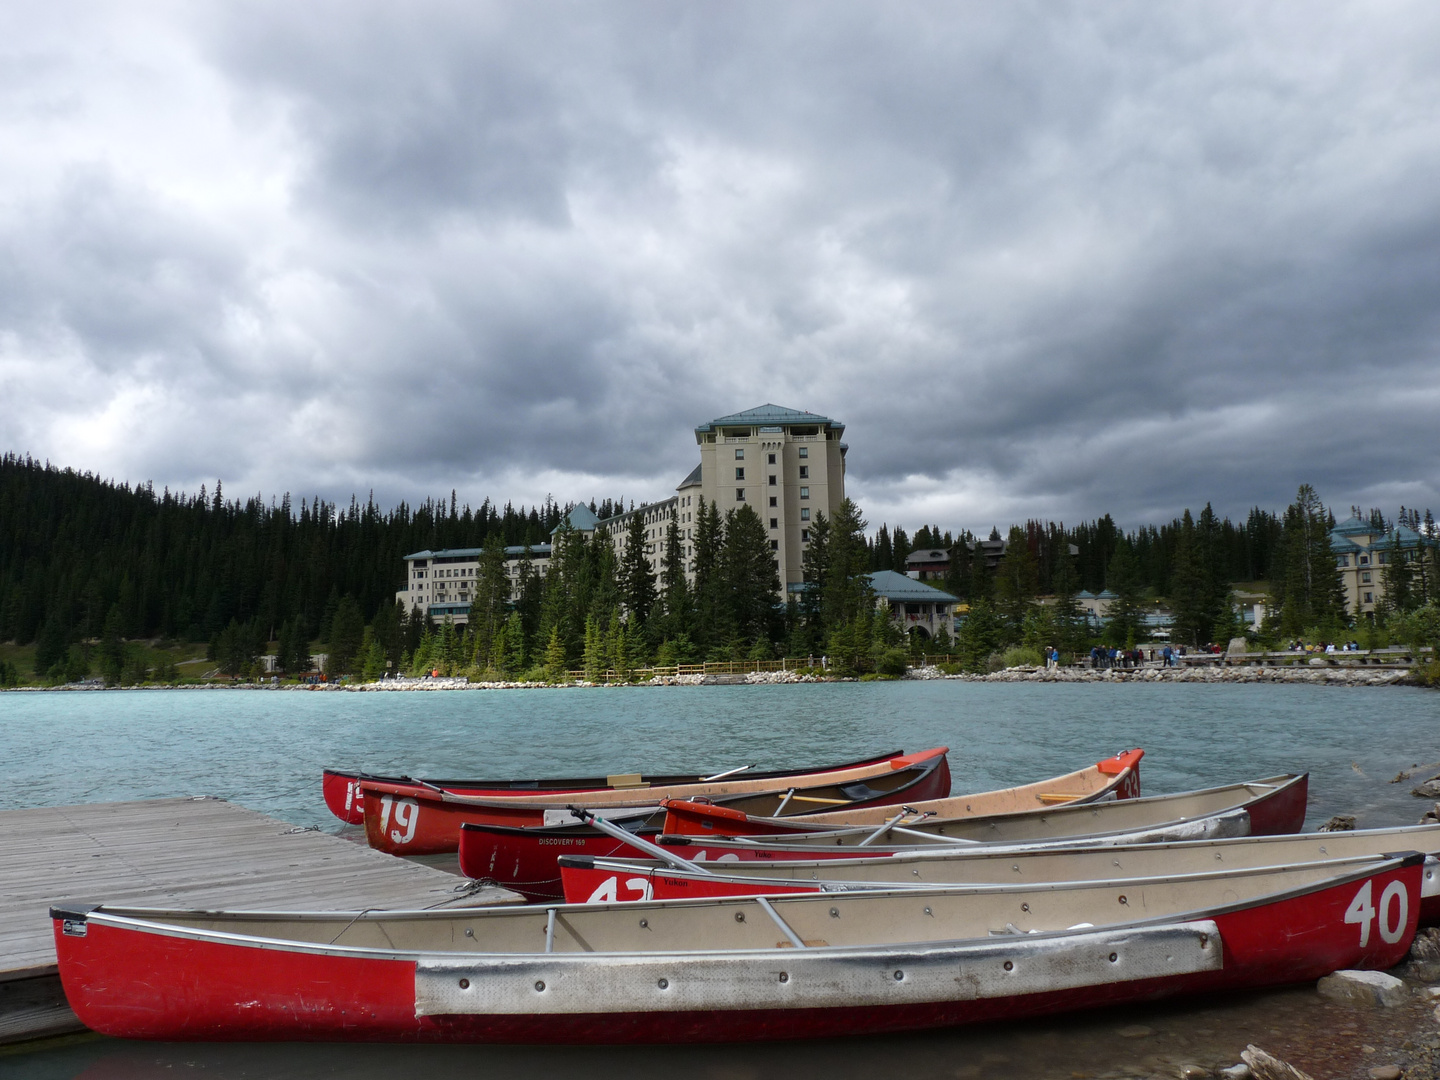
(1084, 594)
(1353, 526)
(895, 586)
(1106, 594)
(581, 519)
(1341, 545)
(769, 416)
(474, 553)
(692, 480)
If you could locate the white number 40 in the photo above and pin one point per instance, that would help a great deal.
(1363, 912)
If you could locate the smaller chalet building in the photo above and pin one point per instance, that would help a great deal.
(927, 564)
(913, 604)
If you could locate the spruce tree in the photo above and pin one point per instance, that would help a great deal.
(816, 570)
(709, 586)
(347, 630)
(1126, 613)
(636, 575)
(747, 567)
(490, 599)
(675, 598)
(1068, 618)
(846, 593)
(555, 657)
(1016, 582)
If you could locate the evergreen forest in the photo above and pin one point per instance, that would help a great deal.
(90, 569)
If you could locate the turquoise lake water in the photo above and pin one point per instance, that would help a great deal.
(265, 750)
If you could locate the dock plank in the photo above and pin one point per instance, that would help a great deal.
(191, 853)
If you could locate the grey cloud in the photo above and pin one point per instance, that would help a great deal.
(1062, 258)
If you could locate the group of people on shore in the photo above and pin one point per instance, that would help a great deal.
(1324, 647)
(1104, 657)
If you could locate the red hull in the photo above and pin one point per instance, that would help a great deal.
(401, 820)
(133, 984)
(342, 789)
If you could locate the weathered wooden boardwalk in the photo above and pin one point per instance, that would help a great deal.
(185, 853)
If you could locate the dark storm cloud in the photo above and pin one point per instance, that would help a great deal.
(1044, 260)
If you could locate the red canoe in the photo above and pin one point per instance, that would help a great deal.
(1208, 814)
(342, 789)
(523, 859)
(403, 820)
(712, 970)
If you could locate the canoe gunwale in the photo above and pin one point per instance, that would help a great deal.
(1273, 786)
(151, 921)
(609, 863)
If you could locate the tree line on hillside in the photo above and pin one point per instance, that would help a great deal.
(86, 565)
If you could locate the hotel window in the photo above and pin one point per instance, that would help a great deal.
(771, 459)
(804, 536)
(1369, 598)
(739, 453)
(739, 494)
(804, 513)
(739, 474)
(1363, 560)
(1365, 576)
(804, 451)
(774, 501)
(1344, 560)
(774, 545)
(804, 472)
(774, 523)
(804, 493)
(772, 479)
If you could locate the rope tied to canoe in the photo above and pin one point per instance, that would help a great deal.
(465, 889)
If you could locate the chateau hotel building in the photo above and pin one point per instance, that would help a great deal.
(785, 464)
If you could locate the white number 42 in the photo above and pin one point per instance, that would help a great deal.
(1363, 912)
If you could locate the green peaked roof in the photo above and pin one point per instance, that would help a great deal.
(896, 586)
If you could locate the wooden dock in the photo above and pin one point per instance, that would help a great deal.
(187, 853)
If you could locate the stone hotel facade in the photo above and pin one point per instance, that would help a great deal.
(787, 465)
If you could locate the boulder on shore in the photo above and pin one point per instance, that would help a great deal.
(1363, 988)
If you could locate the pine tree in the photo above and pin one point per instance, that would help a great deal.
(902, 546)
(1068, 619)
(1311, 594)
(675, 588)
(980, 635)
(555, 657)
(1126, 613)
(594, 650)
(1016, 582)
(816, 570)
(748, 569)
(637, 575)
(347, 630)
(846, 591)
(1399, 594)
(709, 586)
(490, 599)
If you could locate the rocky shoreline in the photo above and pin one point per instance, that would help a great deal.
(1248, 673)
(1268, 673)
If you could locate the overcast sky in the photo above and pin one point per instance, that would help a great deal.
(1042, 259)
